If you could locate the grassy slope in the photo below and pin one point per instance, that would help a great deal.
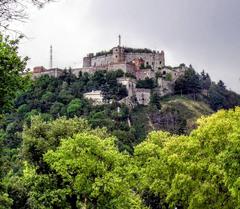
(188, 109)
(192, 110)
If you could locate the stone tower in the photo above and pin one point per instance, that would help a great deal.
(87, 61)
(118, 52)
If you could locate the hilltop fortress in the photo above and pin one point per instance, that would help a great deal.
(137, 64)
(134, 61)
(125, 59)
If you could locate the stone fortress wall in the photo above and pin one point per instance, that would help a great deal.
(140, 63)
(97, 61)
(118, 55)
(156, 60)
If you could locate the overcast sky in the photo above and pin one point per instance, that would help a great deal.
(203, 33)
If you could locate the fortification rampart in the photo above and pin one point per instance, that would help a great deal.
(118, 55)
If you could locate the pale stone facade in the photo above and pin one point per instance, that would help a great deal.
(95, 96)
(139, 95)
(174, 72)
(129, 101)
(142, 74)
(155, 60)
(40, 71)
(143, 96)
(165, 87)
(168, 77)
(139, 63)
(120, 55)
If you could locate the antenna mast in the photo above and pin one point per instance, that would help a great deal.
(119, 40)
(51, 57)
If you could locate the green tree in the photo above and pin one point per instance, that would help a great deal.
(168, 77)
(23, 109)
(196, 171)
(48, 97)
(42, 136)
(11, 68)
(69, 165)
(56, 108)
(221, 98)
(65, 96)
(155, 100)
(189, 83)
(148, 83)
(205, 80)
(95, 172)
(74, 107)
(5, 201)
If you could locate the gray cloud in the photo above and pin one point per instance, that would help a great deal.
(202, 33)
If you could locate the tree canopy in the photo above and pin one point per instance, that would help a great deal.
(11, 68)
(69, 165)
(196, 171)
(65, 163)
(188, 83)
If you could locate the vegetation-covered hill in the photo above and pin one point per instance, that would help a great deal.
(65, 163)
(177, 115)
(59, 151)
(188, 108)
(55, 97)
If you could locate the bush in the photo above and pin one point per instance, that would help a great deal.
(148, 83)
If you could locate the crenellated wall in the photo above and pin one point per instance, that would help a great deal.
(117, 55)
(103, 60)
(140, 63)
(155, 60)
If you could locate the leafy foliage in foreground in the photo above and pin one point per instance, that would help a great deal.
(196, 171)
(68, 165)
(11, 68)
(63, 162)
(80, 167)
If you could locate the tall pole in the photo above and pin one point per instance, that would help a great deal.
(51, 57)
(119, 40)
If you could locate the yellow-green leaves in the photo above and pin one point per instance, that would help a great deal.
(95, 171)
(198, 171)
(70, 165)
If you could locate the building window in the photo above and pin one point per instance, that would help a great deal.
(160, 63)
(116, 56)
(164, 72)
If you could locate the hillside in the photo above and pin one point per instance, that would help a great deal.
(52, 98)
(190, 109)
(177, 115)
(54, 134)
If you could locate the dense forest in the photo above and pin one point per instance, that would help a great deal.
(58, 150)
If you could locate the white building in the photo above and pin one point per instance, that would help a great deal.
(95, 96)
